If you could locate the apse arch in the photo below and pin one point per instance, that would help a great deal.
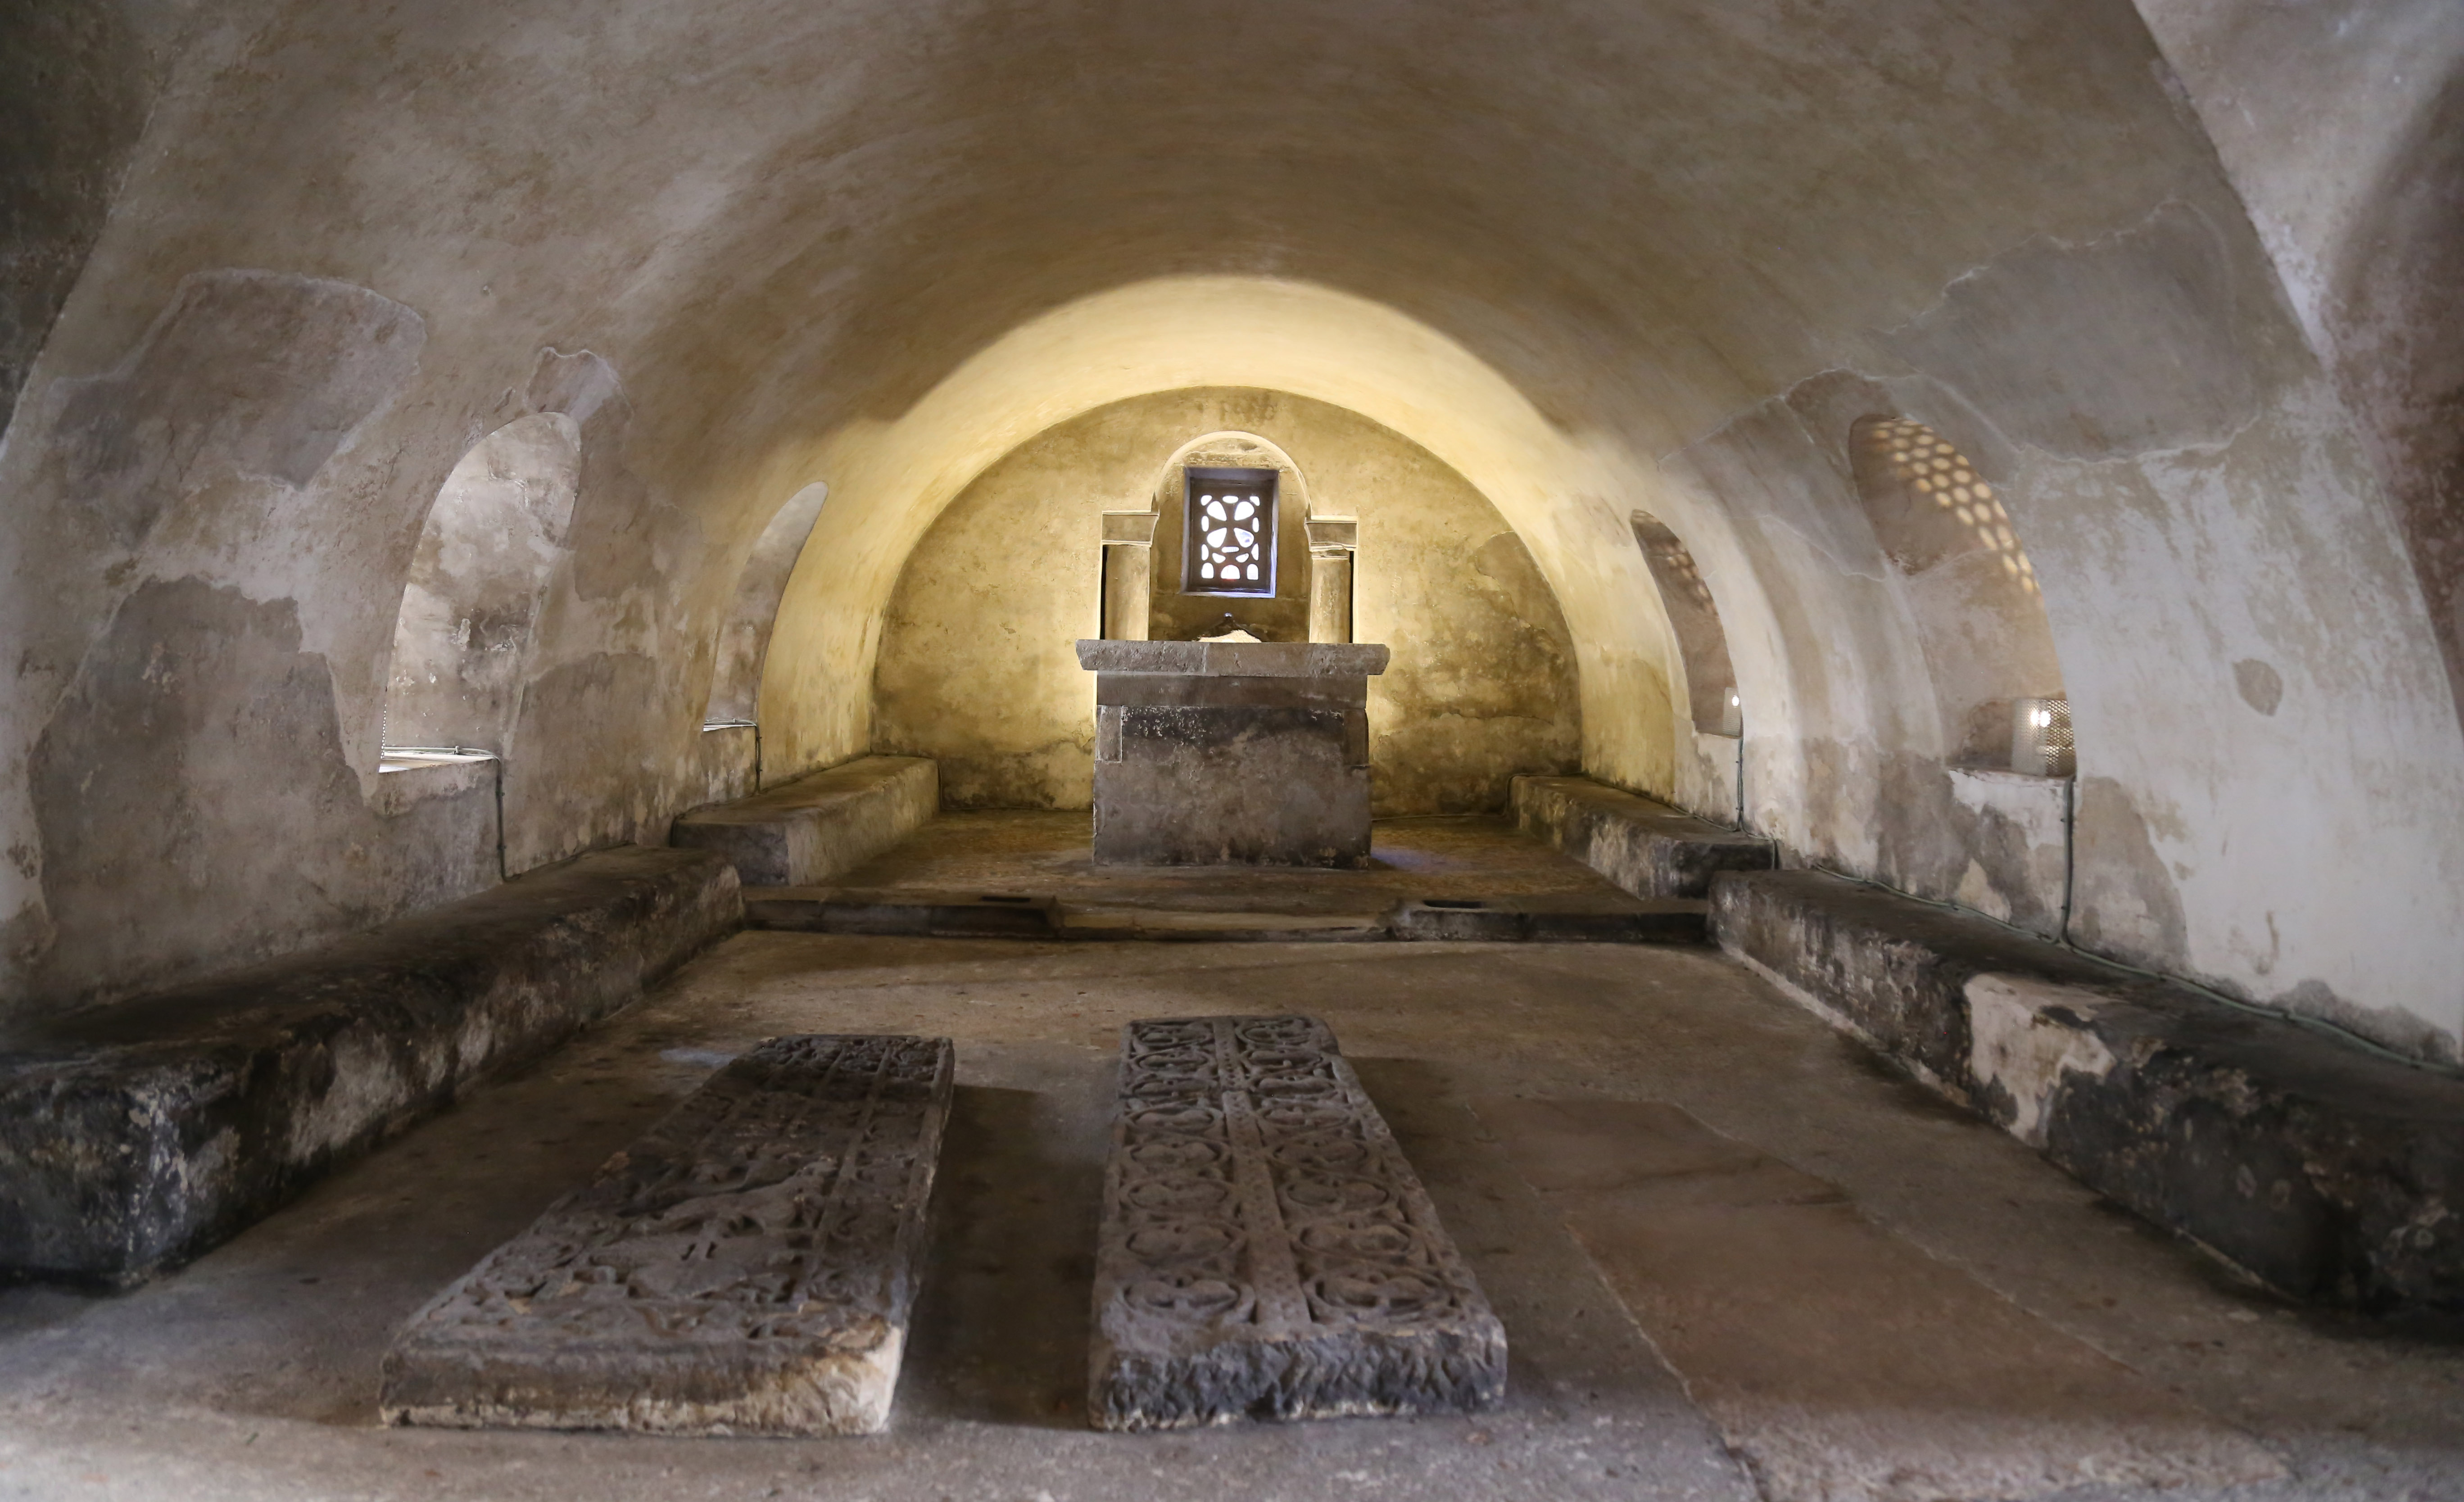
(1556, 488)
(490, 547)
(979, 667)
(1970, 592)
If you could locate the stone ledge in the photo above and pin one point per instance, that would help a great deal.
(1610, 920)
(1236, 659)
(2324, 1170)
(803, 833)
(1099, 921)
(934, 914)
(137, 1135)
(1648, 847)
(1605, 919)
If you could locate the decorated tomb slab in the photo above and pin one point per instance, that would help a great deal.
(1266, 1251)
(747, 1267)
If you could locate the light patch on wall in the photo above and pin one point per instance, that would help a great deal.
(1970, 589)
(1924, 461)
(491, 542)
(2028, 1038)
(1702, 641)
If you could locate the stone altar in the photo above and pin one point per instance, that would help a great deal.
(1231, 753)
(746, 1267)
(1266, 1251)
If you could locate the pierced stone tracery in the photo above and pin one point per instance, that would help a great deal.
(1231, 532)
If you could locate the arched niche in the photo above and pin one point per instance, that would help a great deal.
(978, 669)
(491, 544)
(1979, 615)
(1702, 642)
(1178, 614)
(744, 639)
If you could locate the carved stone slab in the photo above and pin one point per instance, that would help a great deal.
(745, 1268)
(1266, 1251)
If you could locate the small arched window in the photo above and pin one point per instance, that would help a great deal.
(1968, 581)
(488, 552)
(1228, 503)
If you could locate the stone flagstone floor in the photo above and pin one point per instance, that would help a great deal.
(254, 1374)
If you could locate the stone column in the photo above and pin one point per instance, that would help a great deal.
(1129, 535)
(1332, 544)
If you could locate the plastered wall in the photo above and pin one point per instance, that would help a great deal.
(2224, 580)
(1593, 258)
(219, 529)
(2341, 123)
(977, 667)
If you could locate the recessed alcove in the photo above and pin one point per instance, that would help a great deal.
(1966, 580)
(977, 669)
(744, 635)
(495, 535)
(1181, 607)
(1703, 645)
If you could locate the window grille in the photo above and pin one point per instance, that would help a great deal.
(2040, 738)
(1228, 536)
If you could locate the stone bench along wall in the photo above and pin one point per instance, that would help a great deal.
(1648, 847)
(139, 1135)
(805, 833)
(2326, 1170)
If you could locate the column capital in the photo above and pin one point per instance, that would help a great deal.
(1130, 528)
(1332, 536)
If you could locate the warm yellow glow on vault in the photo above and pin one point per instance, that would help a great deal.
(1565, 494)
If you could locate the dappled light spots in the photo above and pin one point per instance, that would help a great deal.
(1922, 459)
(1968, 588)
(1675, 569)
(1710, 678)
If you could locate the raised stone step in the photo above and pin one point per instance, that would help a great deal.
(2326, 1170)
(938, 914)
(1608, 919)
(1266, 1251)
(803, 833)
(1648, 847)
(135, 1136)
(1183, 925)
(967, 915)
(747, 1267)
